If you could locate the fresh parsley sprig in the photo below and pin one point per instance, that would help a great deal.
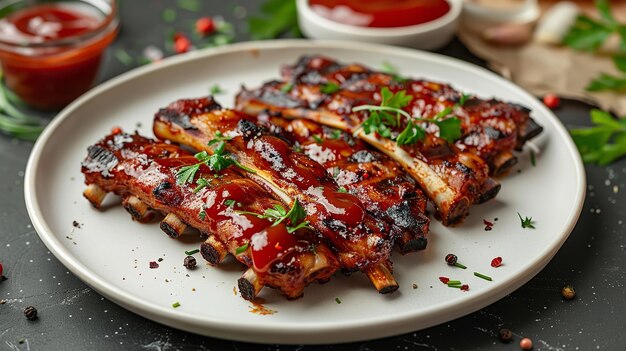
(603, 143)
(219, 160)
(279, 17)
(527, 222)
(589, 34)
(277, 214)
(384, 118)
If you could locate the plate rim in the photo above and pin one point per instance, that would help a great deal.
(301, 332)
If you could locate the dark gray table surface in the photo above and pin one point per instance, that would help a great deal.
(74, 317)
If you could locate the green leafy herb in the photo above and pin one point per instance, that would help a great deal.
(192, 252)
(606, 82)
(384, 118)
(216, 90)
(329, 88)
(588, 34)
(463, 99)
(13, 121)
(201, 183)
(277, 214)
(230, 203)
(527, 222)
(335, 134)
(219, 137)
(342, 190)
(123, 56)
(603, 143)
(202, 215)
(286, 88)
(219, 161)
(176, 304)
(337, 300)
(189, 5)
(279, 17)
(168, 15)
(242, 248)
(533, 160)
(317, 138)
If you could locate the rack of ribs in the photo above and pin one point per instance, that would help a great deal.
(360, 242)
(143, 172)
(453, 175)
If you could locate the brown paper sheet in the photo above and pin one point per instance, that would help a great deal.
(543, 69)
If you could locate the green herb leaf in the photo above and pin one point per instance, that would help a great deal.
(411, 134)
(286, 88)
(185, 174)
(296, 214)
(603, 143)
(463, 99)
(342, 190)
(587, 34)
(219, 137)
(337, 300)
(200, 184)
(230, 202)
(604, 8)
(168, 15)
(192, 252)
(202, 215)
(335, 134)
(189, 5)
(277, 214)
(242, 248)
(317, 138)
(123, 56)
(216, 90)
(301, 225)
(527, 222)
(176, 304)
(449, 129)
(279, 16)
(329, 88)
(607, 82)
(533, 160)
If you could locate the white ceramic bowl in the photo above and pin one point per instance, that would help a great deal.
(428, 36)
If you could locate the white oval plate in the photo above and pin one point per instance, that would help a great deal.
(111, 253)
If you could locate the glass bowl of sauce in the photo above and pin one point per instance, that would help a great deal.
(421, 24)
(50, 51)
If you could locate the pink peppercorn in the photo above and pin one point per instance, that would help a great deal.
(526, 344)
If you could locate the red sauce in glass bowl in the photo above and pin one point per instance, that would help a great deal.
(381, 13)
(50, 53)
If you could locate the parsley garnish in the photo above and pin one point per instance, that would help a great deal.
(277, 214)
(342, 190)
(230, 203)
(201, 183)
(588, 34)
(463, 99)
(329, 88)
(192, 252)
(286, 88)
(279, 16)
(176, 304)
(241, 248)
(603, 143)
(216, 90)
(337, 300)
(533, 160)
(387, 116)
(335, 134)
(202, 215)
(217, 162)
(527, 222)
(317, 138)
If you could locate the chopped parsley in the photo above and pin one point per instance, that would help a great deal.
(192, 252)
(286, 88)
(384, 118)
(335, 134)
(218, 161)
(202, 215)
(216, 90)
(242, 248)
(318, 139)
(337, 300)
(342, 190)
(329, 88)
(201, 183)
(527, 222)
(176, 304)
(277, 214)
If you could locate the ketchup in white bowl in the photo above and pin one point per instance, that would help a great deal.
(381, 13)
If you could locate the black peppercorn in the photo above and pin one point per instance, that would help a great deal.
(31, 313)
(451, 259)
(190, 262)
(506, 335)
